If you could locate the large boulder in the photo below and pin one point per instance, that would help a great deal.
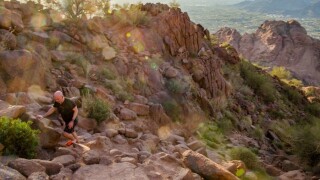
(23, 69)
(140, 109)
(127, 114)
(64, 160)
(158, 114)
(205, 167)
(91, 157)
(51, 167)
(26, 167)
(293, 175)
(38, 176)
(13, 111)
(65, 173)
(9, 173)
(5, 21)
(87, 123)
(116, 171)
(49, 137)
(108, 53)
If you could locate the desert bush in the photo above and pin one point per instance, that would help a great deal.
(80, 61)
(172, 109)
(18, 137)
(285, 76)
(175, 86)
(259, 82)
(313, 108)
(294, 82)
(174, 4)
(96, 108)
(225, 125)
(108, 74)
(280, 72)
(210, 134)
(257, 133)
(306, 141)
(133, 16)
(116, 86)
(293, 94)
(246, 155)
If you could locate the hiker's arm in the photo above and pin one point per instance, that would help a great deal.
(75, 113)
(48, 113)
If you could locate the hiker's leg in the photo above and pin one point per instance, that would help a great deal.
(68, 135)
(74, 134)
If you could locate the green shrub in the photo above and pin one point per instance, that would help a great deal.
(293, 95)
(96, 108)
(108, 74)
(225, 125)
(173, 109)
(123, 96)
(259, 82)
(285, 76)
(245, 155)
(313, 108)
(306, 142)
(80, 61)
(211, 134)
(175, 86)
(257, 133)
(118, 90)
(18, 137)
(280, 72)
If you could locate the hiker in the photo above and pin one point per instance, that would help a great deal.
(69, 112)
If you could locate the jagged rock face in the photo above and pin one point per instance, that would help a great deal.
(279, 43)
(176, 29)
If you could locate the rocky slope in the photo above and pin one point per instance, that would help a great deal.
(279, 43)
(162, 79)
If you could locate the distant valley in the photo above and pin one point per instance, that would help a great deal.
(214, 17)
(295, 8)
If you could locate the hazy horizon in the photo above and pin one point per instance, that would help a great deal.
(181, 2)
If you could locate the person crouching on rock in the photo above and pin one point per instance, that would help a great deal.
(69, 112)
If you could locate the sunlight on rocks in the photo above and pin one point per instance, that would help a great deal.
(38, 21)
(164, 132)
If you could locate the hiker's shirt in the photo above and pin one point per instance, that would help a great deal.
(65, 109)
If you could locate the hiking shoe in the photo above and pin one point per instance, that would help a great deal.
(69, 143)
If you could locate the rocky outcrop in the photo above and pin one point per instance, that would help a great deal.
(176, 29)
(279, 43)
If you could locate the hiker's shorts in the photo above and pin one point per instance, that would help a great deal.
(70, 130)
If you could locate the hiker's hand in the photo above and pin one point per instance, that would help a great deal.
(70, 125)
(39, 117)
